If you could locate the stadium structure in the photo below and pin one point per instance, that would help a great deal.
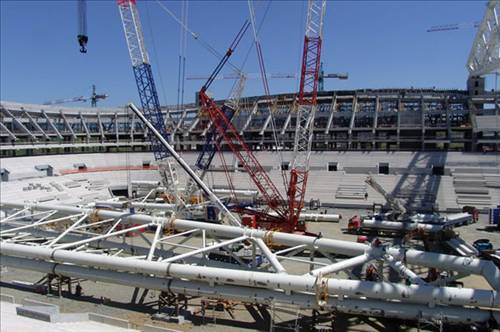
(359, 120)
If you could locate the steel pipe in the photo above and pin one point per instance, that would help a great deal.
(115, 244)
(69, 229)
(159, 230)
(399, 226)
(239, 192)
(342, 265)
(13, 215)
(273, 260)
(101, 237)
(318, 217)
(464, 265)
(192, 174)
(145, 183)
(351, 288)
(446, 314)
(137, 205)
(205, 249)
(403, 270)
(38, 223)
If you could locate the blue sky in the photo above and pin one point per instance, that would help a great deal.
(380, 44)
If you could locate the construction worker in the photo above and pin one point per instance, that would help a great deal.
(78, 290)
(371, 273)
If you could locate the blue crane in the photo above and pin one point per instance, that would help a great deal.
(143, 73)
(147, 90)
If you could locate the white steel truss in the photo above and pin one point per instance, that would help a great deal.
(173, 257)
(133, 32)
(484, 57)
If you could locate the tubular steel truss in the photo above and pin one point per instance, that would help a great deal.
(239, 264)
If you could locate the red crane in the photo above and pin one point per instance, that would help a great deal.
(285, 213)
(240, 149)
(309, 81)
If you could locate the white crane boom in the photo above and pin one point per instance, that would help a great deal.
(395, 204)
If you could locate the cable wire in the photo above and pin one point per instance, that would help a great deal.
(159, 71)
(270, 100)
(181, 70)
(156, 63)
(196, 36)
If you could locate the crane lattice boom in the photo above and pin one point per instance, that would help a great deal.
(395, 204)
(306, 107)
(484, 57)
(147, 89)
(213, 139)
(244, 155)
(142, 72)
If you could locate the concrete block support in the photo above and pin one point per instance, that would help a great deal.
(152, 328)
(109, 320)
(7, 298)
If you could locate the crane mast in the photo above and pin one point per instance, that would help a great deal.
(306, 109)
(147, 89)
(484, 56)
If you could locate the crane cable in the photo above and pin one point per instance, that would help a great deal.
(159, 71)
(196, 36)
(302, 28)
(206, 45)
(127, 156)
(247, 55)
(212, 50)
(270, 101)
(181, 70)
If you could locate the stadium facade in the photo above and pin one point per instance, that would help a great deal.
(367, 120)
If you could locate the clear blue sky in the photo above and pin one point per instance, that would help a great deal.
(380, 44)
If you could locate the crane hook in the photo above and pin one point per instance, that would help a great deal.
(82, 40)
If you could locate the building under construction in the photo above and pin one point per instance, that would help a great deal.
(317, 210)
